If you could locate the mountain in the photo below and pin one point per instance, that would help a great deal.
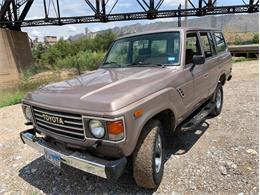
(231, 23)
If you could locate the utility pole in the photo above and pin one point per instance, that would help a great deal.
(179, 16)
(186, 18)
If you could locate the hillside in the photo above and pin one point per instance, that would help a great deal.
(247, 23)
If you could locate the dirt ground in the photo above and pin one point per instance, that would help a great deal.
(220, 156)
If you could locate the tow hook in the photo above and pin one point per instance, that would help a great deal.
(97, 144)
(35, 138)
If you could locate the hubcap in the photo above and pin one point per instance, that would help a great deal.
(218, 99)
(158, 153)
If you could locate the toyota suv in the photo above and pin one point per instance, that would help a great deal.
(149, 86)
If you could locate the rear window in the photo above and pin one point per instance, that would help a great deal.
(220, 42)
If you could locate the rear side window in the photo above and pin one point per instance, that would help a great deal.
(206, 44)
(220, 42)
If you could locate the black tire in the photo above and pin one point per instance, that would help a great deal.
(144, 167)
(217, 96)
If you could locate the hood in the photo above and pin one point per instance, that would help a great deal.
(103, 90)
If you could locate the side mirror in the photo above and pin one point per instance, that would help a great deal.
(198, 59)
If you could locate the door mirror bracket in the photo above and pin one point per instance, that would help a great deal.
(198, 59)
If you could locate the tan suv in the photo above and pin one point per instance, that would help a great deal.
(149, 85)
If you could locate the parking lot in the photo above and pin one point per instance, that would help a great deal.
(221, 155)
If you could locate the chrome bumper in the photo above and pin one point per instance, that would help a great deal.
(111, 170)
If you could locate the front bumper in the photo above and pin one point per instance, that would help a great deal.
(111, 170)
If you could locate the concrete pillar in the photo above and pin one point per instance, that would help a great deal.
(15, 56)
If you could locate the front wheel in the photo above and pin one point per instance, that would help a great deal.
(217, 100)
(148, 159)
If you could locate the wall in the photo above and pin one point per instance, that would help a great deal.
(15, 56)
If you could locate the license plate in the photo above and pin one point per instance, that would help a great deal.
(52, 157)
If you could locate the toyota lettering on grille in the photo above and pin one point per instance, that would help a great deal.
(53, 119)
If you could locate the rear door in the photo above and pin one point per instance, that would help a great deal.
(209, 52)
(222, 61)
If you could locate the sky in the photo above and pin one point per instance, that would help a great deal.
(80, 8)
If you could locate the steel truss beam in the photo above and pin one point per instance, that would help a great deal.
(10, 17)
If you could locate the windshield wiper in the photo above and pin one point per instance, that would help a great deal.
(108, 65)
(141, 64)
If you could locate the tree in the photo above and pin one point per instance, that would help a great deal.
(38, 51)
(256, 38)
(88, 52)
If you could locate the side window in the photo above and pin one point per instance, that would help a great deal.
(220, 42)
(206, 44)
(211, 43)
(192, 47)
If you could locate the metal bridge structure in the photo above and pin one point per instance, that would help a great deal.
(13, 12)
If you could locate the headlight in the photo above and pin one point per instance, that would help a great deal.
(96, 128)
(27, 112)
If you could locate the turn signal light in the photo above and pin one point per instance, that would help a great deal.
(115, 130)
(138, 113)
(115, 127)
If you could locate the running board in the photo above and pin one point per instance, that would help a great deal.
(198, 118)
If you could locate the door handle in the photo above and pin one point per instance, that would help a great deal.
(206, 75)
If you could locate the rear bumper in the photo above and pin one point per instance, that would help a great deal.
(111, 170)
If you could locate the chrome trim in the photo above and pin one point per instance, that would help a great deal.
(104, 119)
(80, 131)
(60, 130)
(26, 105)
(58, 125)
(73, 123)
(49, 132)
(74, 159)
(83, 125)
(64, 116)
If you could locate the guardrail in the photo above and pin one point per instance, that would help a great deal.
(249, 51)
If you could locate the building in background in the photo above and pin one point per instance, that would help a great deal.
(90, 34)
(50, 40)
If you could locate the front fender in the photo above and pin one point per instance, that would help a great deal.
(166, 99)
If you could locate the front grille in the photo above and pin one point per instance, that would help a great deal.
(71, 125)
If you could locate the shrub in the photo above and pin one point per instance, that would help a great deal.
(86, 52)
(256, 38)
(33, 70)
(85, 60)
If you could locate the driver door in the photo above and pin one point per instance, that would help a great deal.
(199, 72)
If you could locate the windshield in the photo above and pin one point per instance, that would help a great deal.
(145, 50)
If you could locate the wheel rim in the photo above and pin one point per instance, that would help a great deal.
(158, 154)
(218, 99)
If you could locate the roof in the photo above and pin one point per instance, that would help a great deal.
(184, 29)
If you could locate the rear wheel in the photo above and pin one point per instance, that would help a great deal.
(217, 99)
(148, 159)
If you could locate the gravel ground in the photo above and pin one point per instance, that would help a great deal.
(220, 156)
